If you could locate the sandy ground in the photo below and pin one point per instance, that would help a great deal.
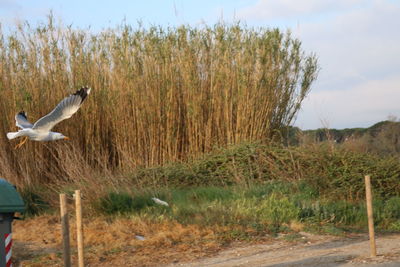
(312, 250)
(37, 242)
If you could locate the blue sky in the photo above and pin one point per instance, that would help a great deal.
(357, 42)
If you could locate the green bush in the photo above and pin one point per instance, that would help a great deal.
(277, 210)
(392, 208)
(322, 170)
(124, 203)
(34, 203)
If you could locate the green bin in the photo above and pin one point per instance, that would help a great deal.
(10, 202)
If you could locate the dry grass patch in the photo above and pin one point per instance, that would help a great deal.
(38, 241)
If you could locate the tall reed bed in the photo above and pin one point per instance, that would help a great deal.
(159, 94)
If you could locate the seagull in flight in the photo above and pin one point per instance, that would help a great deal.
(41, 129)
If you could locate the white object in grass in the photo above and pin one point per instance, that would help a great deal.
(159, 201)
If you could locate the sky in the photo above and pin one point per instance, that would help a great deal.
(357, 43)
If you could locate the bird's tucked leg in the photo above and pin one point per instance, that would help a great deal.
(21, 143)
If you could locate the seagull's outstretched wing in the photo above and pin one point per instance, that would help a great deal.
(22, 121)
(64, 110)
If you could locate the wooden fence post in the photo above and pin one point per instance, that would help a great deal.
(65, 230)
(370, 213)
(79, 227)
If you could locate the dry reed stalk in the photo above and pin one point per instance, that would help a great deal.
(159, 95)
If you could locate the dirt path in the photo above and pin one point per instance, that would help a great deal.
(312, 250)
(37, 243)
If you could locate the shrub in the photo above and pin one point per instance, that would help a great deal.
(277, 210)
(123, 203)
(34, 203)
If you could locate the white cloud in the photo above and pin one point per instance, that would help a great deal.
(358, 50)
(13, 12)
(362, 106)
(289, 9)
(355, 47)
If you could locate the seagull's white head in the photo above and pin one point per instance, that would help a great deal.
(58, 136)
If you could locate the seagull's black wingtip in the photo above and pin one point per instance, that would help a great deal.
(83, 92)
(22, 113)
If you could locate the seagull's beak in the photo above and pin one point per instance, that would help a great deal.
(66, 138)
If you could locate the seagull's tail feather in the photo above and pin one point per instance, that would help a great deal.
(12, 135)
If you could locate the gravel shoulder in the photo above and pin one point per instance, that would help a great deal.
(310, 250)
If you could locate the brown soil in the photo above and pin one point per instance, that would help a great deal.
(313, 251)
(37, 242)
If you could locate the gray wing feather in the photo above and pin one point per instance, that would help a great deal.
(21, 120)
(64, 110)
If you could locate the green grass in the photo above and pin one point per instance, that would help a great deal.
(124, 203)
(34, 202)
(256, 187)
(261, 208)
